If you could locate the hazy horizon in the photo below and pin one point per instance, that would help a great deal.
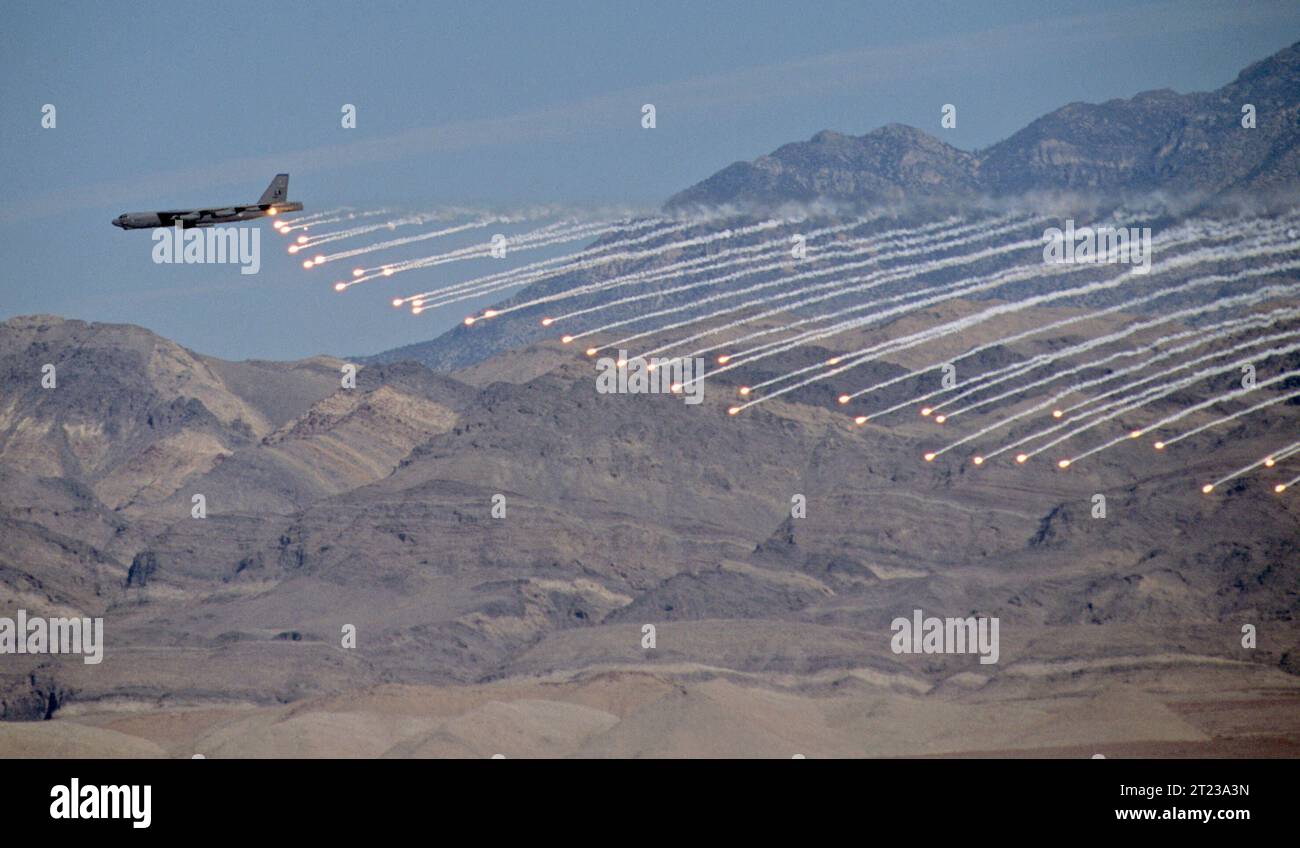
(470, 107)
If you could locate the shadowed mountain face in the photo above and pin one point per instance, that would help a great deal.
(130, 414)
(894, 164)
(374, 507)
(1156, 141)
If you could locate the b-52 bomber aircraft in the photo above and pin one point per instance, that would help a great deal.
(273, 201)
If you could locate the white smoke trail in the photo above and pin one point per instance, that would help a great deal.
(951, 290)
(1282, 487)
(312, 216)
(317, 239)
(527, 241)
(1089, 401)
(315, 218)
(1187, 233)
(1113, 410)
(888, 276)
(853, 247)
(713, 263)
(935, 295)
(929, 295)
(875, 280)
(341, 217)
(564, 231)
(1265, 460)
(600, 255)
(1234, 416)
(1253, 321)
(869, 354)
(1024, 457)
(1106, 378)
(1204, 335)
(285, 230)
(405, 240)
(555, 265)
(1164, 391)
(1285, 454)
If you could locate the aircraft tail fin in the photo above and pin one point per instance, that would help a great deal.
(277, 191)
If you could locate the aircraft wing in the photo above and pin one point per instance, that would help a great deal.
(190, 217)
(215, 212)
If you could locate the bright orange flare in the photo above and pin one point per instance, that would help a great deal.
(1160, 445)
(675, 388)
(735, 410)
(388, 272)
(834, 360)
(724, 359)
(591, 351)
(1022, 458)
(929, 457)
(939, 419)
(293, 248)
(1056, 413)
(1269, 462)
(397, 301)
(358, 272)
(1136, 434)
(340, 286)
(925, 410)
(302, 239)
(1207, 488)
(306, 263)
(272, 211)
(861, 419)
(844, 398)
(546, 322)
(469, 320)
(1280, 488)
(1065, 463)
(979, 460)
(489, 313)
(566, 339)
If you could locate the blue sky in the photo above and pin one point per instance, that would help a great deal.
(492, 104)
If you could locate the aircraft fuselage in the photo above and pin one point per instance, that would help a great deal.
(272, 202)
(200, 217)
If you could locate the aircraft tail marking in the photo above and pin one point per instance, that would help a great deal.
(277, 191)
